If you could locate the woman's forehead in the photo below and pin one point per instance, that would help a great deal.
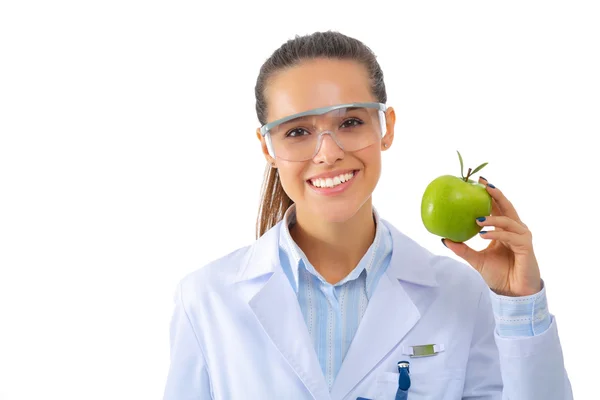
(316, 84)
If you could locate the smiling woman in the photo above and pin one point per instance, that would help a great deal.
(332, 301)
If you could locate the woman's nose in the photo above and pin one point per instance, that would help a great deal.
(328, 150)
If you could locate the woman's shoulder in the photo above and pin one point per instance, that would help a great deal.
(238, 264)
(217, 273)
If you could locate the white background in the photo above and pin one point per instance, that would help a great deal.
(128, 159)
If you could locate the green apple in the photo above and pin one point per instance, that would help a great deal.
(451, 204)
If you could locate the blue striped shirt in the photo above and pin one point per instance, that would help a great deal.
(521, 316)
(333, 312)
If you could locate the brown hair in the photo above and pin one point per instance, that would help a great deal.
(274, 201)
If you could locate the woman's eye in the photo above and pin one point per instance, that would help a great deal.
(351, 122)
(296, 132)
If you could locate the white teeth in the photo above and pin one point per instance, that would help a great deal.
(332, 182)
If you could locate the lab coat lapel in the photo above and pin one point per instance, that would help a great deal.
(277, 309)
(390, 314)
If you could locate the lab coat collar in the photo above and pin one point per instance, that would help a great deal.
(410, 261)
(263, 257)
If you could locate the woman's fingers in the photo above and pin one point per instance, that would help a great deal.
(505, 223)
(511, 239)
(505, 206)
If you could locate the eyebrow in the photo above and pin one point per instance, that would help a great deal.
(298, 119)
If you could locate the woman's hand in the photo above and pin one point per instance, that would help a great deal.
(508, 264)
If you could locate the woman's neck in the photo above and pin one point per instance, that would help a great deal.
(335, 249)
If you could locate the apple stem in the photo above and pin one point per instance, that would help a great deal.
(468, 175)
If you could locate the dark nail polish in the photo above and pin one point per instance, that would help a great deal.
(481, 219)
(483, 178)
(444, 243)
(492, 186)
(482, 232)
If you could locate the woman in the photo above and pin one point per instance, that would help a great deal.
(330, 298)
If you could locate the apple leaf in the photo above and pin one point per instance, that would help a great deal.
(461, 165)
(479, 168)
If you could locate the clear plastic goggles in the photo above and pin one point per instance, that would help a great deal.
(352, 126)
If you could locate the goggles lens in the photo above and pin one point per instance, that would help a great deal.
(353, 128)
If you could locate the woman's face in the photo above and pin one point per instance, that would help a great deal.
(320, 83)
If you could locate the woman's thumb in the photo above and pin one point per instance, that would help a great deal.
(463, 251)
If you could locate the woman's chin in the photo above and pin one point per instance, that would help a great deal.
(335, 213)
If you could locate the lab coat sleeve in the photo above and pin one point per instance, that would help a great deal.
(188, 377)
(514, 368)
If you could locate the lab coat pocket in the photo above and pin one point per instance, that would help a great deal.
(446, 386)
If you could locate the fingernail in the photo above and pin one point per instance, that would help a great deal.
(444, 243)
(492, 186)
(482, 232)
(481, 219)
(483, 178)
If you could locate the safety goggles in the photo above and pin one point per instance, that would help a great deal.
(298, 137)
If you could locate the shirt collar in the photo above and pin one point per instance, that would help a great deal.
(380, 249)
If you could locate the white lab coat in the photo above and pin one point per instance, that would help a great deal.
(238, 333)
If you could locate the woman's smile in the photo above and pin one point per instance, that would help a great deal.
(333, 183)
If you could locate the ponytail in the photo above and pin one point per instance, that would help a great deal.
(274, 202)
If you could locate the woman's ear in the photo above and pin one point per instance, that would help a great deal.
(265, 150)
(390, 121)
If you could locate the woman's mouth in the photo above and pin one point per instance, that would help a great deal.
(333, 185)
